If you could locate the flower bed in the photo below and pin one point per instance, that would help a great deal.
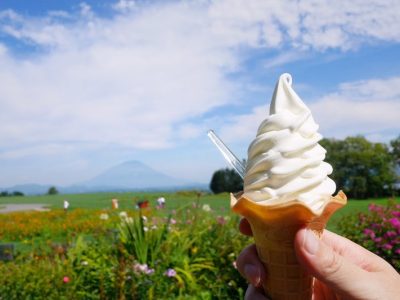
(135, 254)
(378, 231)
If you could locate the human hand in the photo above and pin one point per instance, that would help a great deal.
(342, 269)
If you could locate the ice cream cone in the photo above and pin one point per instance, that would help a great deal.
(274, 228)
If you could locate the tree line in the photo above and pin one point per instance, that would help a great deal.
(361, 168)
(11, 194)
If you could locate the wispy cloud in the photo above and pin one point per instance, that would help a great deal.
(284, 58)
(148, 76)
(317, 25)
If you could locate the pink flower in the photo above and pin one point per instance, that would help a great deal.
(66, 279)
(234, 264)
(375, 226)
(372, 207)
(369, 232)
(396, 214)
(172, 221)
(390, 234)
(395, 222)
(221, 220)
(387, 246)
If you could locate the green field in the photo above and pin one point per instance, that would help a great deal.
(128, 200)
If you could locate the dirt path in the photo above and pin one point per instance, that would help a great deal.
(7, 208)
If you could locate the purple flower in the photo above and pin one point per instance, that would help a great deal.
(149, 271)
(142, 268)
(170, 273)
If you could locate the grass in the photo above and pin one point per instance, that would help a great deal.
(126, 200)
(174, 200)
(355, 206)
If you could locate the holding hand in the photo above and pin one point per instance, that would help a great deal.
(342, 269)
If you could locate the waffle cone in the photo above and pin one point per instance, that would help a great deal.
(274, 228)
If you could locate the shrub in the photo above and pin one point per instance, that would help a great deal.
(378, 231)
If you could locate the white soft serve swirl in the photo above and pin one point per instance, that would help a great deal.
(285, 161)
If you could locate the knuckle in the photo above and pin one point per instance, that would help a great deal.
(332, 264)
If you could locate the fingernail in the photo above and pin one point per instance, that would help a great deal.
(252, 274)
(311, 242)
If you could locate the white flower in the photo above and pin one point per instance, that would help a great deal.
(104, 217)
(144, 218)
(123, 215)
(206, 207)
(145, 228)
(84, 263)
(129, 220)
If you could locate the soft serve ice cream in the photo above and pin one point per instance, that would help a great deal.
(285, 161)
(286, 187)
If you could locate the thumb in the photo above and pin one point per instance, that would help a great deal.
(329, 266)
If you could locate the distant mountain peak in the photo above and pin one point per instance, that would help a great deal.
(134, 174)
(125, 176)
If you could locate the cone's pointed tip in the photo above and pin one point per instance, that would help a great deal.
(233, 200)
(342, 195)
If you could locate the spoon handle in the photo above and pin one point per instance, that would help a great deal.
(233, 161)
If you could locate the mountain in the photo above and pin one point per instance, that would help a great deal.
(127, 176)
(134, 175)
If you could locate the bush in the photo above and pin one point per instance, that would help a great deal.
(52, 191)
(226, 180)
(378, 231)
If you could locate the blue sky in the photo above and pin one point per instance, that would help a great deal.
(87, 85)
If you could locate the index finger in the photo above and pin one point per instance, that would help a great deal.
(354, 252)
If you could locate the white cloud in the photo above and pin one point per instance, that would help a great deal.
(243, 127)
(153, 74)
(42, 150)
(124, 5)
(284, 58)
(369, 107)
(314, 24)
(128, 80)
